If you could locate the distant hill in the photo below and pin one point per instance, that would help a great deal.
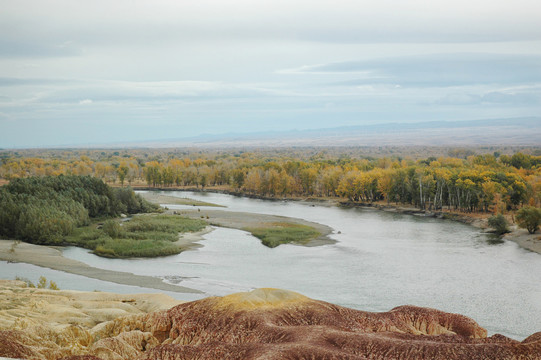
(516, 131)
(506, 132)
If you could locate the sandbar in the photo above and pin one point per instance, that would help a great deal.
(156, 198)
(244, 220)
(52, 258)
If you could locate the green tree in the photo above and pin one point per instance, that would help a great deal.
(529, 218)
(498, 223)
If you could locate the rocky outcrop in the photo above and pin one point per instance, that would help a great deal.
(278, 324)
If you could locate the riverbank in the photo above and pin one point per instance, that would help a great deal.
(522, 237)
(52, 258)
(531, 242)
(525, 240)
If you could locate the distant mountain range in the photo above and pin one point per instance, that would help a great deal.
(515, 131)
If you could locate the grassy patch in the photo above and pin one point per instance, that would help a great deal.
(143, 236)
(164, 223)
(283, 233)
(136, 248)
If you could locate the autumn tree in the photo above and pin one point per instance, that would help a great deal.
(122, 171)
(529, 218)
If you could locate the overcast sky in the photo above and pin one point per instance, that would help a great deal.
(81, 72)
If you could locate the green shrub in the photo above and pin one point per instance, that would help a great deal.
(42, 283)
(113, 229)
(53, 286)
(498, 223)
(103, 250)
(133, 203)
(29, 283)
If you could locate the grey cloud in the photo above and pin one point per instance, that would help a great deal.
(12, 81)
(512, 99)
(71, 91)
(459, 99)
(94, 24)
(36, 48)
(438, 70)
(492, 98)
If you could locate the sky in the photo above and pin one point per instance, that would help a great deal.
(76, 72)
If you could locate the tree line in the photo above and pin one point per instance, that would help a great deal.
(487, 182)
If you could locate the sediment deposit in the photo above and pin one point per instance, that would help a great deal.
(262, 324)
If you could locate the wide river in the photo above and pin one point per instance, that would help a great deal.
(381, 260)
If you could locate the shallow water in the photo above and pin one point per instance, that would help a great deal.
(381, 260)
(66, 281)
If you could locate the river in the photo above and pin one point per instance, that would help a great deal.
(381, 260)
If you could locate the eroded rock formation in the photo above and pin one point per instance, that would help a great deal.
(278, 324)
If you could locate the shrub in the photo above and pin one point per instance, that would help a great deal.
(53, 286)
(42, 283)
(113, 229)
(498, 223)
(29, 283)
(133, 203)
(529, 218)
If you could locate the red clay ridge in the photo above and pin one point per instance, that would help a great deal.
(279, 324)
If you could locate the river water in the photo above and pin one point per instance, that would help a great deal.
(381, 260)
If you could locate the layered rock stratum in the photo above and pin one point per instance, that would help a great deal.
(261, 324)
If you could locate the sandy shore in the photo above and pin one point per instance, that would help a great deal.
(190, 241)
(524, 239)
(52, 258)
(174, 200)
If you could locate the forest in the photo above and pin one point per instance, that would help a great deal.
(45, 210)
(461, 179)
